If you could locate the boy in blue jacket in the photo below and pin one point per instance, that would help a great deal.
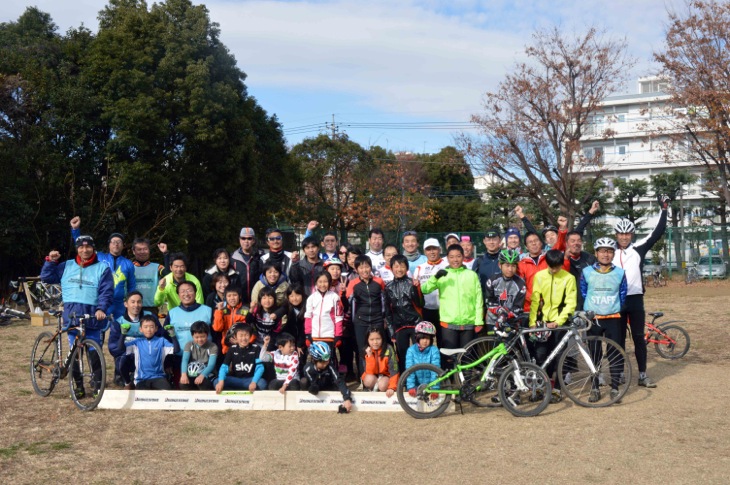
(150, 352)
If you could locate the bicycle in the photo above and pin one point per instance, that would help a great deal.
(658, 279)
(586, 363)
(7, 314)
(670, 340)
(42, 295)
(85, 361)
(523, 388)
(692, 275)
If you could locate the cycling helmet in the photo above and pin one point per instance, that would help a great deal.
(84, 241)
(231, 334)
(333, 261)
(548, 229)
(426, 328)
(604, 242)
(510, 256)
(319, 351)
(195, 368)
(624, 226)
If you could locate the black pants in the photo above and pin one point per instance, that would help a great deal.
(160, 384)
(542, 351)
(453, 339)
(612, 329)
(350, 356)
(404, 338)
(433, 317)
(634, 313)
(276, 384)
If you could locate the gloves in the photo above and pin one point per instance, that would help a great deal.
(412, 392)
(170, 330)
(125, 328)
(663, 201)
(308, 340)
(441, 273)
(314, 389)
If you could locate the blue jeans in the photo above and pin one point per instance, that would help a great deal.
(242, 383)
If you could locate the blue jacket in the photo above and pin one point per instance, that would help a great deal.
(149, 356)
(116, 330)
(123, 273)
(84, 290)
(414, 355)
(486, 266)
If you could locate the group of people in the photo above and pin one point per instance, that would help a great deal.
(336, 314)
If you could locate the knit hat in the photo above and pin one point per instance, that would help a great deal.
(512, 231)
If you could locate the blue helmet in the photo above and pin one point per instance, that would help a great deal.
(320, 351)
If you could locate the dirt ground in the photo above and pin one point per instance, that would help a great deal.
(676, 433)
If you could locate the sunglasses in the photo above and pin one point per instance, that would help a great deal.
(274, 238)
(246, 239)
(410, 233)
(343, 252)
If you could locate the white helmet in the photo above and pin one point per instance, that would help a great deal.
(624, 226)
(195, 368)
(605, 242)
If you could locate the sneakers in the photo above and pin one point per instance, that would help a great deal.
(614, 395)
(556, 396)
(595, 395)
(646, 382)
(568, 378)
(80, 393)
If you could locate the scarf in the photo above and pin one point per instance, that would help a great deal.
(411, 256)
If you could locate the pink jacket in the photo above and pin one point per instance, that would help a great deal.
(323, 316)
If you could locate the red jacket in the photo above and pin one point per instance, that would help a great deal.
(224, 319)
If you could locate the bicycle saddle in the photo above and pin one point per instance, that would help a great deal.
(450, 352)
(656, 314)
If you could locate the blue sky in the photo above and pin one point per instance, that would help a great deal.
(382, 61)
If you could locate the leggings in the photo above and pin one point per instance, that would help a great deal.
(453, 339)
(404, 338)
(611, 328)
(634, 313)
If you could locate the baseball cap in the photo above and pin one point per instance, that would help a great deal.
(431, 243)
(247, 232)
(465, 238)
(492, 232)
(450, 235)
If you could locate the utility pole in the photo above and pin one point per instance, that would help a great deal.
(334, 128)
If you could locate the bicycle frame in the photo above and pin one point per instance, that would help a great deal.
(572, 333)
(652, 328)
(56, 338)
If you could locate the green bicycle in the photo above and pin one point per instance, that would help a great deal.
(425, 391)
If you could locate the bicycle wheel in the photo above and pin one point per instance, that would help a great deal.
(87, 375)
(663, 281)
(530, 397)
(424, 405)
(474, 351)
(594, 389)
(44, 364)
(674, 341)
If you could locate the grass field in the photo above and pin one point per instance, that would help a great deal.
(676, 433)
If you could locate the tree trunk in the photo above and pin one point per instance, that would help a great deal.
(677, 239)
(723, 231)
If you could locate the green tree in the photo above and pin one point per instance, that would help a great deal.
(627, 199)
(671, 184)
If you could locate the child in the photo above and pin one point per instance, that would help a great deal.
(273, 279)
(403, 304)
(286, 363)
(149, 353)
(199, 360)
(266, 316)
(229, 313)
(381, 366)
(323, 316)
(554, 294)
(603, 286)
(339, 283)
(295, 307)
(348, 348)
(320, 375)
(505, 290)
(422, 352)
(242, 368)
(366, 300)
(386, 273)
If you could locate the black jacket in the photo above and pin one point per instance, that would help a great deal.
(403, 304)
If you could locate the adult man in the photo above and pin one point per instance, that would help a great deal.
(146, 273)
(87, 287)
(423, 272)
(410, 251)
(276, 254)
(122, 269)
(376, 239)
(578, 259)
(487, 264)
(630, 257)
(329, 241)
(305, 271)
(468, 248)
(246, 261)
(185, 314)
(167, 288)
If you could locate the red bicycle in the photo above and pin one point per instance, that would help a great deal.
(670, 340)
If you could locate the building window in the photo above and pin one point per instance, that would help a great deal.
(621, 149)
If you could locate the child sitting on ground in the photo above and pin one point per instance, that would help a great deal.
(422, 352)
(266, 316)
(286, 363)
(242, 368)
(149, 352)
(229, 313)
(198, 360)
(320, 375)
(381, 365)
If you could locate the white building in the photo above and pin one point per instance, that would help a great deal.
(630, 152)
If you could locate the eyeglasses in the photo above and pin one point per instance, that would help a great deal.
(410, 233)
(246, 238)
(274, 238)
(343, 252)
(186, 292)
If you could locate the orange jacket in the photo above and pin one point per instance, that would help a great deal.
(224, 319)
(382, 362)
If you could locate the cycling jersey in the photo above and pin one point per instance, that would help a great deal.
(422, 274)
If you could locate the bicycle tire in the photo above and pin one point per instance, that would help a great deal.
(528, 402)
(44, 364)
(612, 360)
(87, 377)
(663, 281)
(436, 407)
(474, 351)
(669, 350)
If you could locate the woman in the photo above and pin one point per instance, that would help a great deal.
(222, 265)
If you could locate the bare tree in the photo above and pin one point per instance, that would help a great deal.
(532, 125)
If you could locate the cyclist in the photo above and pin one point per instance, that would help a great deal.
(506, 289)
(630, 257)
(487, 265)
